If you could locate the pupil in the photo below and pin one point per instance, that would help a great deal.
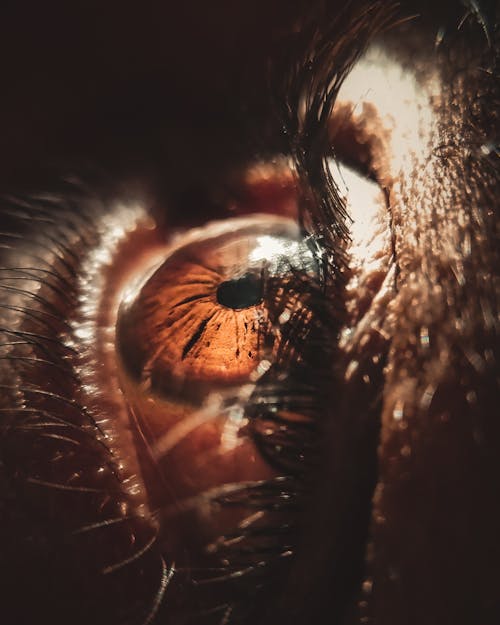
(241, 292)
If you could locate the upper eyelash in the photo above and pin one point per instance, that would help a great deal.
(305, 83)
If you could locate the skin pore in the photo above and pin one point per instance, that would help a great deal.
(403, 516)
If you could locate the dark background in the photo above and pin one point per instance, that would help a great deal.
(163, 89)
(156, 88)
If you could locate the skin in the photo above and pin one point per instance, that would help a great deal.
(412, 525)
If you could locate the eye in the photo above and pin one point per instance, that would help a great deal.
(195, 339)
(216, 354)
(176, 436)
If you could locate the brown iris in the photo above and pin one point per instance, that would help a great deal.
(201, 318)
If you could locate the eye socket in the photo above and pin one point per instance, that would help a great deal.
(223, 504)
(228, 455)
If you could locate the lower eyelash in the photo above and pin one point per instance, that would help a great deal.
(56, 464)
